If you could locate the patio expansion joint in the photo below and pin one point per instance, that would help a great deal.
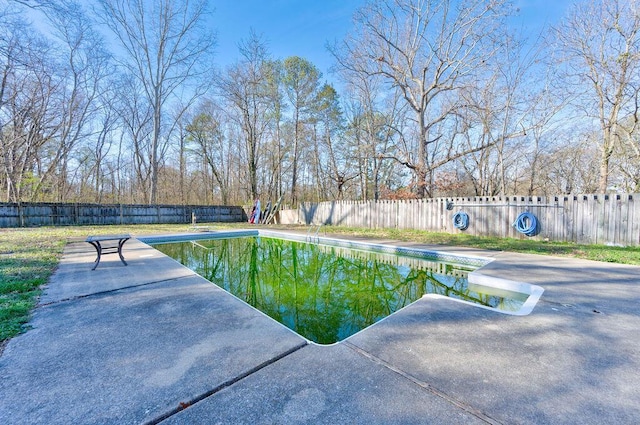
(425, 385)
(186, 404)
(110, 291)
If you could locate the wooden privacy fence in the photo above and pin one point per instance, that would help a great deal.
(589, 219)
(47, 214)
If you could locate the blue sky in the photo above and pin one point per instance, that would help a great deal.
(291, 27)
(303, 27)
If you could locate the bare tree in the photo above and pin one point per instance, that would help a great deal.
(136, 116)
(275, 150)
(245, 87)
(330, 118)
(515, 80)
(166, 46)
(98, 153)
(599, 43)
(375, 128)
(427, 50)
(629, 169)
(569, 167)
(27, 101)
(58, 80)
(83, 66)
(510, 110)
(301, 82)
(205, 129)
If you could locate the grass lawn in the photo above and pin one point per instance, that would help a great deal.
(28, 256)
(610, 254)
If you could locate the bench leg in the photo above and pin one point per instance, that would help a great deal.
(98, 248)
(120, 244)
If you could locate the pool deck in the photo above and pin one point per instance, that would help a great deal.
(155, 343)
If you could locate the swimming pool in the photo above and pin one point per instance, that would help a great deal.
(332, 288)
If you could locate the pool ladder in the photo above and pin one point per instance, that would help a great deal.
(315, 237)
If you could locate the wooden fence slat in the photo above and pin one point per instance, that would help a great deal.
(614, 216)
(629, 228)
(592, 215)
(623, 211)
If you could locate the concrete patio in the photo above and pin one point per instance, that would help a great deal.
(155, 343)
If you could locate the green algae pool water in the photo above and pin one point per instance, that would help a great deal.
(325, 293)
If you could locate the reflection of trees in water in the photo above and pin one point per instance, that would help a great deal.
(314, 292)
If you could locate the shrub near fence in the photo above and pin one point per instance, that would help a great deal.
(589, 219)
(48, 214)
